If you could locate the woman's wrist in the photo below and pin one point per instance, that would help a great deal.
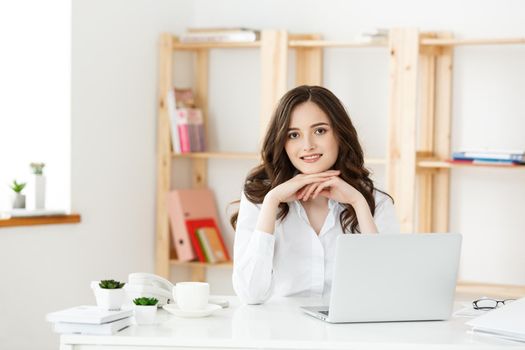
(270, 199)
(267, 215)
(358, 202)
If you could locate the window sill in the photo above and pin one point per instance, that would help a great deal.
(40, 220)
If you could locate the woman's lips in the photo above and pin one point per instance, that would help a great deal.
(311, 158)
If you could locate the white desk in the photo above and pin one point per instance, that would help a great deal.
(280, 324)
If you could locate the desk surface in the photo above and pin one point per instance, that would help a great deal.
(280, 324)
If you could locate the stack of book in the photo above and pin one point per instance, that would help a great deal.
(88, 319)
(373, 35)
(187, 123)
(491, 157)
(200, 35)
(193, 222)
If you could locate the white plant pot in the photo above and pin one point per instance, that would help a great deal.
(109, 299)
(36, 192)
(145, 314)
(18, 201)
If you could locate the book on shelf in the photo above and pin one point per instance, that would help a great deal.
(373, 35)
(510, 155)
(108, 328)
(186, 122)
(198, 230)
(220, 35)
(88, 314)
(217, 29)
(171, 104)
(497, 162)
(213, 244)
(190, 126)
(189, 205)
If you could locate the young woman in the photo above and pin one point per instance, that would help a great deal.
(311, 187)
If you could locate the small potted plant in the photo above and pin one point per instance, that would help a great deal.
(36, 198)
(145, 310)
(19, 200)
(109, 294)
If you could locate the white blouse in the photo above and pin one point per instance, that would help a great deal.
(294, 260)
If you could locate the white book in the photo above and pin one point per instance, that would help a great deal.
(97, 329)
(226, 36)
(506, 321)
(172, 114)
(88, 314)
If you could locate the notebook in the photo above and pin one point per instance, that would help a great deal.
(98, 329)
(87, 314)
(506, 321)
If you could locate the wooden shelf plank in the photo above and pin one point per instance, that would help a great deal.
(375, 161)
(217, 155)
(463, 42)
(238, 155)
(200, 264)
(334, 44)
(177, 45)
(432, 163)
(490, 290)
(40, 220)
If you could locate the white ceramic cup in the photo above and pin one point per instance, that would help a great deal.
(191, 296)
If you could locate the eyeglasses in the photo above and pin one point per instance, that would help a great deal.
(489, 304)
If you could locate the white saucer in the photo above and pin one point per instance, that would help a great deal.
(174, 309)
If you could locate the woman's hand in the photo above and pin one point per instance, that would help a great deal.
(287, 191)
(333, 188)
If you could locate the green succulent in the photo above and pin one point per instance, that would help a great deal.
(145, 301)
(111, 284)
(37, 168)
(17, 187)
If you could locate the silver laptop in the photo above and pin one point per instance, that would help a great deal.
(392, 277)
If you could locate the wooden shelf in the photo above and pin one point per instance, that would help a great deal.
(432, 163)
(375, 161)
(177, 45)
(41, 220)
(217, 155)
(333, 44)
(237, 155)
(490, 290)
(226, 265)
(464, 42)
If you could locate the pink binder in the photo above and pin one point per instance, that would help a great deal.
(188, 204)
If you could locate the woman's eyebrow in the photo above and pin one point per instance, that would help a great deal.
(311, 126)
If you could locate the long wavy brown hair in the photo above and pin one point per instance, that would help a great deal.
(277, 168)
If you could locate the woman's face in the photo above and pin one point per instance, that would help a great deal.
(311, 144)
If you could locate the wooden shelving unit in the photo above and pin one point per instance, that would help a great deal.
(273, 46)
(424, 171)
(419, 110)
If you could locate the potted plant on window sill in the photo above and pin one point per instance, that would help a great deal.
(18, 199)
(145, 310)
(109, 294)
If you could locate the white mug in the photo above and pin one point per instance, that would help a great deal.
(191, 296)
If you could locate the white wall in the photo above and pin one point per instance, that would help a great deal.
(113, 119)
(114, 79)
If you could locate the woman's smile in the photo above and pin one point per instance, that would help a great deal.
(311, 158)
